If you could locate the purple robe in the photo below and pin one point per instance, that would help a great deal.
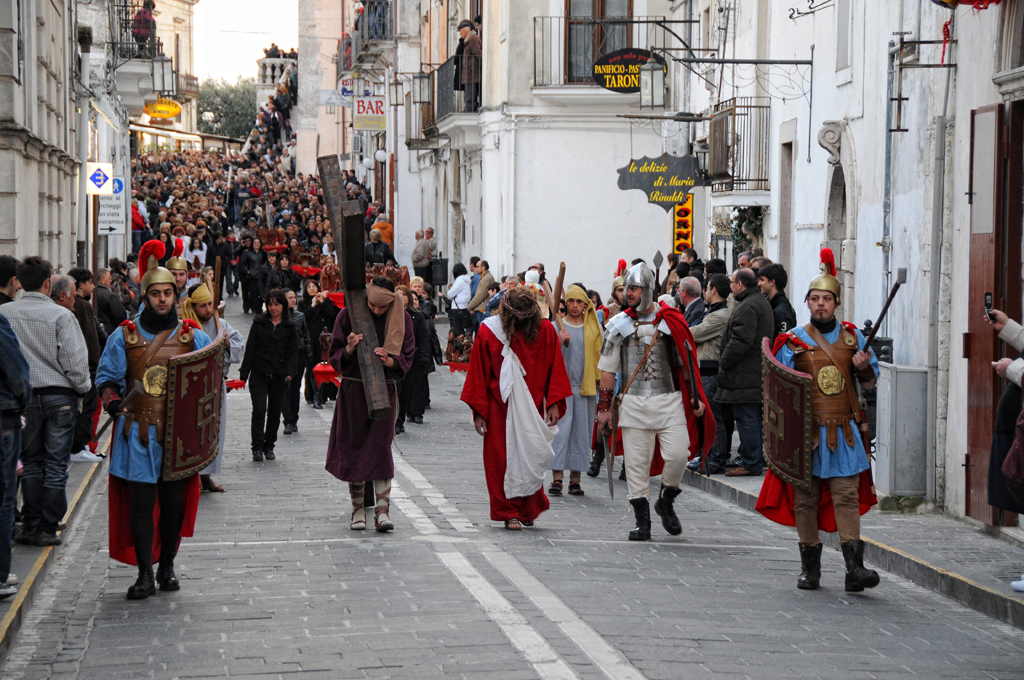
(360, 448)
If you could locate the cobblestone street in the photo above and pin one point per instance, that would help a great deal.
(275, 585)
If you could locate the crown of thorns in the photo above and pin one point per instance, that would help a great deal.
(531, 307)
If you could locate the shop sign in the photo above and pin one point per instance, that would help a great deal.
(162, 108)
(619, 71)
(667, 180)
(369, 113)
(682, 223)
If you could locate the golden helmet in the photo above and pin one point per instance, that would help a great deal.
(149, 265)
(176, 261)
(826, 280)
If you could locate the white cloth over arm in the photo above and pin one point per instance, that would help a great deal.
(528, 450)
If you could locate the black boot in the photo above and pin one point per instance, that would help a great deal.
(667, 513)
(144, 586)
(257, 455)
(810, 567)
(166, 578)
(317, 402)
(857, 576)
(595, 462)
(642, 510)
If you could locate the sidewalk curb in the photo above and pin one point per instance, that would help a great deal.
(980, 598)
(11, 623)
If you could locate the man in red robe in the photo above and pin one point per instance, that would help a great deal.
(535, 342)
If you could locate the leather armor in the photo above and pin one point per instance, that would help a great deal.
(832, 401)
(150, 406)
(657, 376)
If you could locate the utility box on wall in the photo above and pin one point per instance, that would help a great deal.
(901, 461)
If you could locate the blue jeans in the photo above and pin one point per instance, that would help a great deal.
(45, 452)
(748, 424)
(9, 465)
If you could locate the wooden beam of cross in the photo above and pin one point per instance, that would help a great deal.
(347, 229)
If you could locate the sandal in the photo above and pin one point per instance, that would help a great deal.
(529, 523)
(513, 524)
(358, 520)
(575, 489)
(556, 488)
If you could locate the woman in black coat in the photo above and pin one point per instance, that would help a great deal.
(268, 365)
(269, 275)
(249, 263)
(290, 278)
(1005, 427)
(320, 314)
(412, 394)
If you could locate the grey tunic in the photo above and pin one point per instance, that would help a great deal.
(575, 429)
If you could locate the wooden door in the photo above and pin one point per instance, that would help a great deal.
(994, 193)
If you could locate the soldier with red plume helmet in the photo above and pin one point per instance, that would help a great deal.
(822, 480)
(138, 353)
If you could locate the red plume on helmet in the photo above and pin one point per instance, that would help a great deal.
(622, 268)
(155, 249)
(179, 247)
(828, 262)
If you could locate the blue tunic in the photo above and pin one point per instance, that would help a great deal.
(130, 460)
(844, 461)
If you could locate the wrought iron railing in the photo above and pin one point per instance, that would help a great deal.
(566, 48)
(739, 144)
(188, 86)
(375, 26)
(132, 31)
(343, 60)
(450, 92)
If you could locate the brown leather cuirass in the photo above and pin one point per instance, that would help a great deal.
(833, 395)
(150, 406)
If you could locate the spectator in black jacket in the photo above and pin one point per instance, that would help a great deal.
(320, 314)
(772, 279)
(109, 310)
(270, 275)
(305, 356)
(289, 278)
(412, 393)
(269, 364)
(9, 286)
(377, 251)
(250, 261)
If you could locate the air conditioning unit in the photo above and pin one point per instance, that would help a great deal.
(901, 458)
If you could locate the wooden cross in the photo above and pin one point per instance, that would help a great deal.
(349, 244)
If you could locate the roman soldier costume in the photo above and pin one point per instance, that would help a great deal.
(819, 474)
(160, 379)
(654, 351)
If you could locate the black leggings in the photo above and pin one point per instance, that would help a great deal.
(172, 514)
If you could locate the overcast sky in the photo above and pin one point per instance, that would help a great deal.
(230, 34)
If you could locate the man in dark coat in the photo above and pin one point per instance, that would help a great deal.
(772, 280)
(739, 367)
(472, 58)
(109, 310)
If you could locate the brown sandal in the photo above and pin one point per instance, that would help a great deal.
(556, 488)
(513, 524)
(575, 489)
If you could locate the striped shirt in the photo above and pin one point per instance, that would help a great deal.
(52, 342)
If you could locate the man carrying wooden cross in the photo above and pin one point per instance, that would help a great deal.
(360, 447)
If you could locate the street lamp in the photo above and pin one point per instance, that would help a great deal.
(381, 155)
(163, 76)
(368, 163)
(357, 143)
(209, 116)
(422, 92)
(652, 85)
(397, 92)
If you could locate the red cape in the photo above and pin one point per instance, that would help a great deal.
(122, 547)
(776, 498)
(548, 383)
(701, 430)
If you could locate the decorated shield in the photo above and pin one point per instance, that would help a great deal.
(788, 426)
(194, 383)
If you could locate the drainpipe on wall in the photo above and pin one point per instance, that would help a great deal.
(934, 286)
(82, 227)
(886, 242)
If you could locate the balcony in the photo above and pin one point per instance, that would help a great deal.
(738, 145)
(566, 48)
(188, 87)
(270, 71)
(343, 60)
(451, 114)
(374, 31)
(132, 31)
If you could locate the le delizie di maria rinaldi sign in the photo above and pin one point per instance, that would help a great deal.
(666, 179)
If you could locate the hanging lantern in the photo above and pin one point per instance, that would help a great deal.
(652, 85)
(396, 92)
(422, 92)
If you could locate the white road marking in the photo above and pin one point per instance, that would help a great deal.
(610, 660)
(451, 513)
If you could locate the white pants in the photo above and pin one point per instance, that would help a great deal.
(638, 449)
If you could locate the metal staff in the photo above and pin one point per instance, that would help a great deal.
(136, 389)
